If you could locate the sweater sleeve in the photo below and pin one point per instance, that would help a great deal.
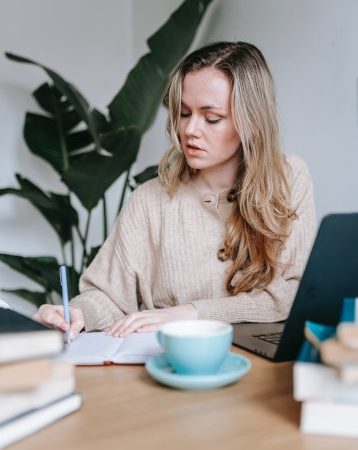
(273, 303)
(108, 287)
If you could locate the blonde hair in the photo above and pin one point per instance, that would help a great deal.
(261, 219)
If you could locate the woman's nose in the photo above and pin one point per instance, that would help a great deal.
(193, 127)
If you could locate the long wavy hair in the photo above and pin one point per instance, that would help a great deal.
(262, 215)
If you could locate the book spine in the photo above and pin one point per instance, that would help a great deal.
(316, 381)
(308, 353)
(349, 310)
(329, 418)
(35, 420)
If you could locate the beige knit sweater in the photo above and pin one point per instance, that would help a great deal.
(162, 252)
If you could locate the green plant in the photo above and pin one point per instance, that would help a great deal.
(90, 150)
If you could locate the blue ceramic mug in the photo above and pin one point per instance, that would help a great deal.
(195, 347)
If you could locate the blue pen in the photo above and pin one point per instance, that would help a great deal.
(66, 307)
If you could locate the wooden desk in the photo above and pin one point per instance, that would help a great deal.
(125, 409)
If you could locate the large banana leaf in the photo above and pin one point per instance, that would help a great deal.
(171, 41)
(35, 297)
(92, 254)
(73, 95)
(44, 271)
(138, 100)
(92, 173)
(54, 136)
(76, 155)
(55, 208)
(73, 280)
(42, 137)
(147, 174)
(52, 101)
(41, 269)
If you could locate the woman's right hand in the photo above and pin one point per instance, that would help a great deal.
(53, 316)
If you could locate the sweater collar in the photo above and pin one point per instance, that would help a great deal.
(213, 200)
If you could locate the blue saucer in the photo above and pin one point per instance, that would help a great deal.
(233, 368)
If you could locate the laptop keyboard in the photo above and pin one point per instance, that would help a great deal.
(272, 338)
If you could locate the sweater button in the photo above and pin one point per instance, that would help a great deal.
(231, 196)
(221, 255)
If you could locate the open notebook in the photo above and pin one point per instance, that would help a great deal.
(100, 349)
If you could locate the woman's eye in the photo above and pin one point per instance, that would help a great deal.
(212, 120)
(184, 114)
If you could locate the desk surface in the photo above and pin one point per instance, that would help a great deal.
(125, 409)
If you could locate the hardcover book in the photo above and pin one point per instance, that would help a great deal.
(23, 338)
(329, 393)
(35, 419)
(60, 383)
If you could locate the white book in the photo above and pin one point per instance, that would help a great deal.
(99, 349)
(26, 424)
(330, 418)
(23, 338)
(60, 384)
(317, 381)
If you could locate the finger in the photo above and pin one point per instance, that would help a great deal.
(149, 328)
(120, 326)
(36, 317)
(131, 327)
(53, 316)
(115, 327)
(138, 323)
(77, 322)
(146, 318)
(74, 334)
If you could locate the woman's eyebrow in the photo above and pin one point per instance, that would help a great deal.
(203, 107)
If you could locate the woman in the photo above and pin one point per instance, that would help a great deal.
(225, 231)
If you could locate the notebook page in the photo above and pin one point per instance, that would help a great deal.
(137, 348)
(91, 348)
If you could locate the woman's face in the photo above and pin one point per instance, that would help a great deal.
(207, 133)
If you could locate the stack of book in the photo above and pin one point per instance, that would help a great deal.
(35, 388)
(325, 376)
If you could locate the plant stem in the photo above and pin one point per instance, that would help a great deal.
(72, 249)
(124, 190)
(105, 225)
(50, 298)
(84, 254)
(79, 234)
(65, 159)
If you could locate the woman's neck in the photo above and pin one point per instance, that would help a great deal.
(215, 179)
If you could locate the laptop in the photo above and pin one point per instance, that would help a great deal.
(331, 274)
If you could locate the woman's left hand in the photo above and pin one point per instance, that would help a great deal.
(151, 319)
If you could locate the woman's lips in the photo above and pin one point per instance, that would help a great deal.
(193, 149)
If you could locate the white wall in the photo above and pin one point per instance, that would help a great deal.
(311, 47)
